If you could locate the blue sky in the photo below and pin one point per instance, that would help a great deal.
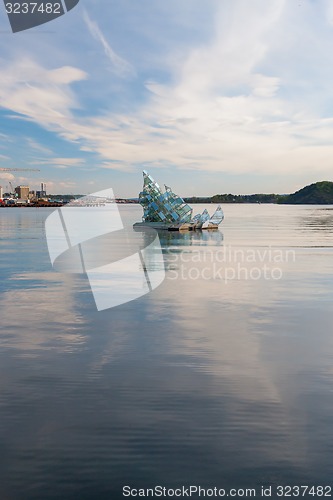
(209, 96)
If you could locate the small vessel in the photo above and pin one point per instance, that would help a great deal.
(166, 210)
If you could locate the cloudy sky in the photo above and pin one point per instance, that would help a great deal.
(209, 96)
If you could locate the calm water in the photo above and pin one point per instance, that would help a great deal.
(218, 378)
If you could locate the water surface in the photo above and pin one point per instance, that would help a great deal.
(205, 381)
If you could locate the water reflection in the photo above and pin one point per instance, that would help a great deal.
(320, 219)
(191, 238)
(39, 314)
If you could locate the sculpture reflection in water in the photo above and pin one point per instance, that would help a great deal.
(178, 243)
(175, 244)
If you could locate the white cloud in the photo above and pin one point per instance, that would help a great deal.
(5, 176)
(56, 186)
(39, 94)
(4, 137)
(264, 86)
(38, 147)
(60, 162)
(119, 65)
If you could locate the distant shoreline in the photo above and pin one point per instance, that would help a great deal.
(193, 203)
(319, 193)
(57, 204)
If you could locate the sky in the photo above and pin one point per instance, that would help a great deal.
(209, 96)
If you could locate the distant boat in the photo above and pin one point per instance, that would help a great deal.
(167, 210)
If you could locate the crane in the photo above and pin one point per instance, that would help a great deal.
(19, 170)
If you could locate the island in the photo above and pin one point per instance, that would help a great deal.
(319, 193)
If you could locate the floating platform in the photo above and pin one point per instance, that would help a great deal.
(162, 226)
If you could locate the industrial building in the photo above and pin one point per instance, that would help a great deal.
(22, 192)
